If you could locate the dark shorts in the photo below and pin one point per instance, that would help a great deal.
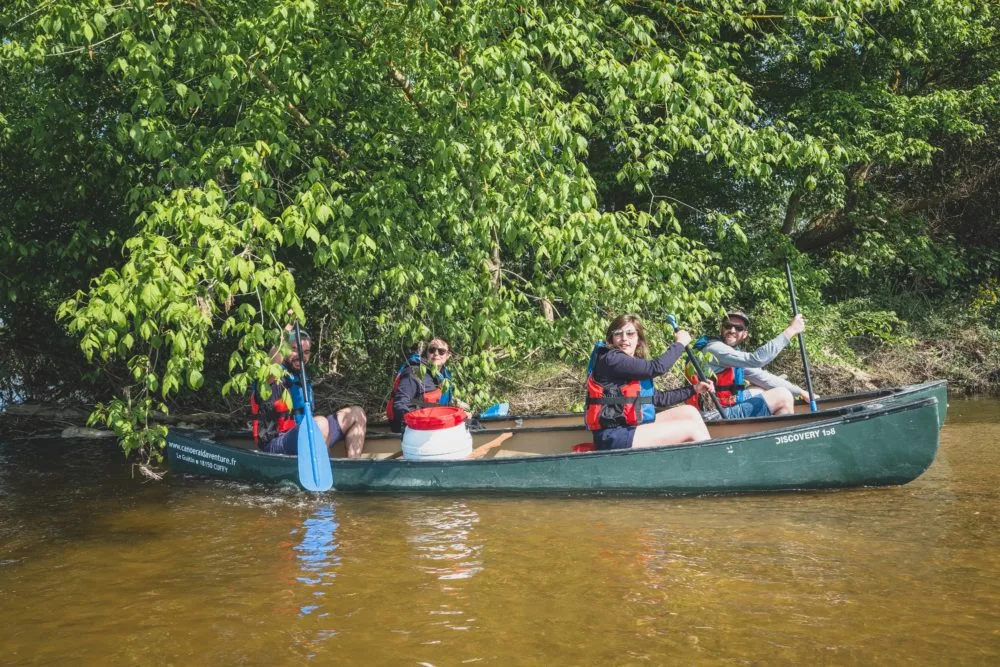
(755, 406)
(288, 442)
(619, 437)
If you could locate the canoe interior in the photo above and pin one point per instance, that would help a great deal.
(546, 436)
(576, 418)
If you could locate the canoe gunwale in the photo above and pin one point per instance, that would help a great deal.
(858, 399)
(528, 423)
(863, 405)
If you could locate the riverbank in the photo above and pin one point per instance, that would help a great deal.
(967, 356)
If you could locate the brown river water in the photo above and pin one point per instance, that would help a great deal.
(98, 568)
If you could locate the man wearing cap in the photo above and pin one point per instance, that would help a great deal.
(734, 369)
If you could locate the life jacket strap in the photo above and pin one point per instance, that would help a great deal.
(620, 400)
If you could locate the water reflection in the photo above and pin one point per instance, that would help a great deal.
(442, 536)
(447, 546)
(317, 557)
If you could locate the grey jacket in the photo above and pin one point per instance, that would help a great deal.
(753, 363)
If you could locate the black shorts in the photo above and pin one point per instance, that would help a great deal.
(288, 442)
(619, 437)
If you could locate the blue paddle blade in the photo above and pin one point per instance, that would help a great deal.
(496, 410)
(315, 471)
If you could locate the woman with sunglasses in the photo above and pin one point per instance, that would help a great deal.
(621, 399)
(420, 382)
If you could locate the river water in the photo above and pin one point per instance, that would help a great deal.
(98, 568)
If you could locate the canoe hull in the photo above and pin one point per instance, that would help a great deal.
(886, 445)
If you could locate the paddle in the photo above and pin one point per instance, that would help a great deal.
(315, 471)
(802, 340)
(697, 367)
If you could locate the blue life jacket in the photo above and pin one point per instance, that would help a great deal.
(294, 385)
(440, 395)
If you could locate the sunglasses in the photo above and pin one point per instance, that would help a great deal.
(627, 333)
(735, 327)
(437, 350)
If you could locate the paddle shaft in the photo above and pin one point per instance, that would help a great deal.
(697, 368)
(306, 397)
(802, 340)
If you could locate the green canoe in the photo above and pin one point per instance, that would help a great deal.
(885, 441)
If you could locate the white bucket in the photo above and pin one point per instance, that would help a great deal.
(436, 433)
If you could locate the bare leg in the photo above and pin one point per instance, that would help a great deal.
(482, 450)
(353, 423)
(672, 427)
(780, 401)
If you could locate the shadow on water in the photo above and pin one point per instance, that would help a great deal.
(56, 492)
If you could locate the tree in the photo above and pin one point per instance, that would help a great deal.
(508, 174)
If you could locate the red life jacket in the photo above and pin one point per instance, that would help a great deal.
(272, 416)
(610, 404)
(726, 387)
(728, 382)
(433, 397)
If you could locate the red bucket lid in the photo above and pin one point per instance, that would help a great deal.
(430, 419)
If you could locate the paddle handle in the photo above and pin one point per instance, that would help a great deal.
(802, 340)
(697, 368)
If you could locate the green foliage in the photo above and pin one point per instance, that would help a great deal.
(130, 422)
(986, 304)
(859, 318)
(509, 175)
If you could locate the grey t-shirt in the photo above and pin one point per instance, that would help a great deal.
(753, 363)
